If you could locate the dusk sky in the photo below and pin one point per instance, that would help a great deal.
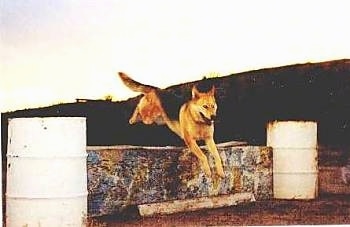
(56, 51)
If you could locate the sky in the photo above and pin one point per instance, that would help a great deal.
(56, 51)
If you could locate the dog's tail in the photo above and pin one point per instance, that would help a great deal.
(134, 85)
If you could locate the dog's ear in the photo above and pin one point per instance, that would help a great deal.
(212, 90)
(195, 93)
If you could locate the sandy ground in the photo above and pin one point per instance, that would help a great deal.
(327, 209)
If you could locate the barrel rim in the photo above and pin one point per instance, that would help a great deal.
(294, 121)
(22, 118)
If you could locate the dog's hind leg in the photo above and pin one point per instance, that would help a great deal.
(135, 116)
(214, 151)
(200, 155)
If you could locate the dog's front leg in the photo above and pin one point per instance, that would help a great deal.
(214, 151)
(192, 144)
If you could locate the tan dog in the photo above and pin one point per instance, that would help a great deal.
(195, 120)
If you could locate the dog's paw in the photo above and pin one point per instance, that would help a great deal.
(208, 174)
(206, 170)
(221, 172)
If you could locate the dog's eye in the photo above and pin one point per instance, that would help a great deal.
(205, 106)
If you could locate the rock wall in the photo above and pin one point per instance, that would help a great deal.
(122, 176)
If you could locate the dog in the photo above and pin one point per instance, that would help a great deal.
(192, 120)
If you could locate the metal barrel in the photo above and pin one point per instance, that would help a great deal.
(46, 172)
(295, 165)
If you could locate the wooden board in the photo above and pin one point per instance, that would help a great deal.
(186, 205)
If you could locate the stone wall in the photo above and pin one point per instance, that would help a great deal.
(122, 176)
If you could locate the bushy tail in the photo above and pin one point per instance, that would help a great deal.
(134, 85)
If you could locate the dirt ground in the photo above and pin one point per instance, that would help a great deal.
(327, 209)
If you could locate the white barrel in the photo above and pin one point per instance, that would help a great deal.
(46, 172)
(295, 168)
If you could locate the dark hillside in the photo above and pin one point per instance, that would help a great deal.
(247, 101)
(321, 92)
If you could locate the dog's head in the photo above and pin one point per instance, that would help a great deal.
(205, 104)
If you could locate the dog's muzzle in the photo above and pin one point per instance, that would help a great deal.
(207, 120)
